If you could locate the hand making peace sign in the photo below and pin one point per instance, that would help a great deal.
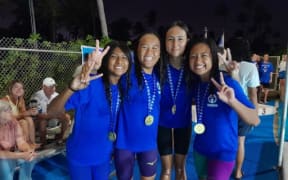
(225, 93)
(226, 58)
(94, 62)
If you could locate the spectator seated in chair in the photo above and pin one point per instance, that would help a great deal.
(41, 99)
(14, 150)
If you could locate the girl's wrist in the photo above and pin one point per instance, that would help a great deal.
(72, 89)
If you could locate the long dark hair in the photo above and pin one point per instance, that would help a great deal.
(184, 27)
(105, 63)
(191, 78)
(157, 68)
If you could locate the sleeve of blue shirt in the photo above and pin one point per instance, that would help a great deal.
(238, 91)
(79, 98)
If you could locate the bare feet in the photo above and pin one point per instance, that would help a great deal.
(239, 175)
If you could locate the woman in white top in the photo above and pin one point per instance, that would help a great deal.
(281, 76)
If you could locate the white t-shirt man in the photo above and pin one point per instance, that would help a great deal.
(43, 100)
(248, 76)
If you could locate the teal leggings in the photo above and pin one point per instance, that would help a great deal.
(212, 169)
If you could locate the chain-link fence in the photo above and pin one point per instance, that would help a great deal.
(31, 61)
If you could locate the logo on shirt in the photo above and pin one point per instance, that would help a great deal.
(212, 100)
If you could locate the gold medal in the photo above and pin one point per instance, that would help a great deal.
(112, 136)
(199, 128)
(149, 120)
(173, 109)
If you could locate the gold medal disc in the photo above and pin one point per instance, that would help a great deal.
(112, 136)
(199, 128)
(149, 120)
(173, 109)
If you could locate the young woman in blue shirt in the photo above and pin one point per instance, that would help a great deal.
(174, 130)
(96, 103)
(139, 113)
(219, 101)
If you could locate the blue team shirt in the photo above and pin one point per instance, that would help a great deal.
(264, 71)
(88, 143)
(133, 134)
(219, 141)
(182, 117)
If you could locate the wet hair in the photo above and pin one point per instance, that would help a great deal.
(193, 79)
(105, 63)
(240, 49)
(157, 68)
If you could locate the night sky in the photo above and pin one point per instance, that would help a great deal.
(197, 14)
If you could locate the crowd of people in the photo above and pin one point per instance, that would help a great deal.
(139, 109)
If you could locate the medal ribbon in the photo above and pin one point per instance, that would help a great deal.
(174, 95)
(200, 105)
(114, 107)
(151, 100)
